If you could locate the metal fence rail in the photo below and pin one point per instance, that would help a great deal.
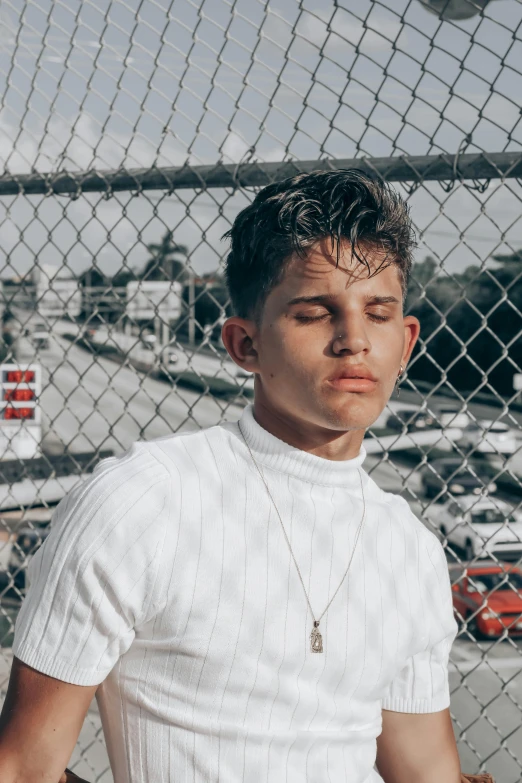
(132, 134)
(419, 168)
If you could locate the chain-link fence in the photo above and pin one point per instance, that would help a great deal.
(132, 133)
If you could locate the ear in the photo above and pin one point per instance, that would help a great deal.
(239, 337)
(411, 335)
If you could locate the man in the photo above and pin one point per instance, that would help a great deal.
(245, 602)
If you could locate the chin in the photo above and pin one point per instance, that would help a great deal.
(353, 414)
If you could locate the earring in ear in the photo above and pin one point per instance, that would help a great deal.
(397, 381)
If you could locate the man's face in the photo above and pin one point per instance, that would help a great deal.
(322, 321)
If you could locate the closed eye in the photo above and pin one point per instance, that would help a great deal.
(307, 318)
(376, 317)
(310, 318)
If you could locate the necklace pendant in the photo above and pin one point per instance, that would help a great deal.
(316, 640)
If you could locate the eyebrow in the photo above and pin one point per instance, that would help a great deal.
(327, 298)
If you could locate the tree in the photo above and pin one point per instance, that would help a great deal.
(92, 277)
(212, 302)
(165, 262)
(123, 276)
(466, 325)
(424, 272)
(512, 258)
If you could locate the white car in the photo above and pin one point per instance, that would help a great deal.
(40, 336)
(169, 356)
(451, 416)
(480, 527)
(490, 437)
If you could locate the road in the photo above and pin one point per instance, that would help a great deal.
(90, 402)
(95, 403)
(203, 362)
(493, 685)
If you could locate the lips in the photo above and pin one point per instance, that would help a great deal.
(356, 372)
(354, 379)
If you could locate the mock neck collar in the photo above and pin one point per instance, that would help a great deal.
(280, 456)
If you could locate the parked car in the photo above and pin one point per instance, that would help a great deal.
(480, 527)
(450, 474)
(489, 436)
(27, 541)
(508, 475)
(488, 597)
(169, 356)
(413, 418)
(40, 336)
(451, 415)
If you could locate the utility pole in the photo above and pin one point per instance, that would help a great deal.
(165, 332)
(192, 320)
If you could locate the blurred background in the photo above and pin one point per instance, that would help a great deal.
(131, 134)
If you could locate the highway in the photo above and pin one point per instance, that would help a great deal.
(90, 403)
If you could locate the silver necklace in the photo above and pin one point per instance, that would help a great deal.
(316, 639)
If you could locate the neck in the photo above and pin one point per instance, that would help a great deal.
(305, 435)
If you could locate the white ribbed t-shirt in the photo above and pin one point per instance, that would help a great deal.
(167, 578)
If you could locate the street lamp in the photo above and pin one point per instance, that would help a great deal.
(455, 9)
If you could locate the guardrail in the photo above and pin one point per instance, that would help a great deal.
(50, 466)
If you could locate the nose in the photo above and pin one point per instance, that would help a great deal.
(350, 336)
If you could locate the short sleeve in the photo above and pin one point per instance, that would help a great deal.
(93, 581)
(422, 685)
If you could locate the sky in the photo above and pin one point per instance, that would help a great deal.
(107, 84)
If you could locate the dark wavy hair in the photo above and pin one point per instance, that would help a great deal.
(287, 218)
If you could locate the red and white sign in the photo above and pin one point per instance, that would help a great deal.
(20, 413)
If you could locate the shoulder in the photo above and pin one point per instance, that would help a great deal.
(115, 495)
(423, 562)
(184, 452)
(138, 462)
(148, 477)
(403, 520)
(137, 470)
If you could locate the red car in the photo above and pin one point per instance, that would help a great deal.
(489, 597)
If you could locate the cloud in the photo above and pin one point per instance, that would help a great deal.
(376, 34)
(79, 145)
(234, 148)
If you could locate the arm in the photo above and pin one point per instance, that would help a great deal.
(95, 579)
(417, 748)
(39, 725)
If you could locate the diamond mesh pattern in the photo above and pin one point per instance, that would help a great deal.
(190, 103)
